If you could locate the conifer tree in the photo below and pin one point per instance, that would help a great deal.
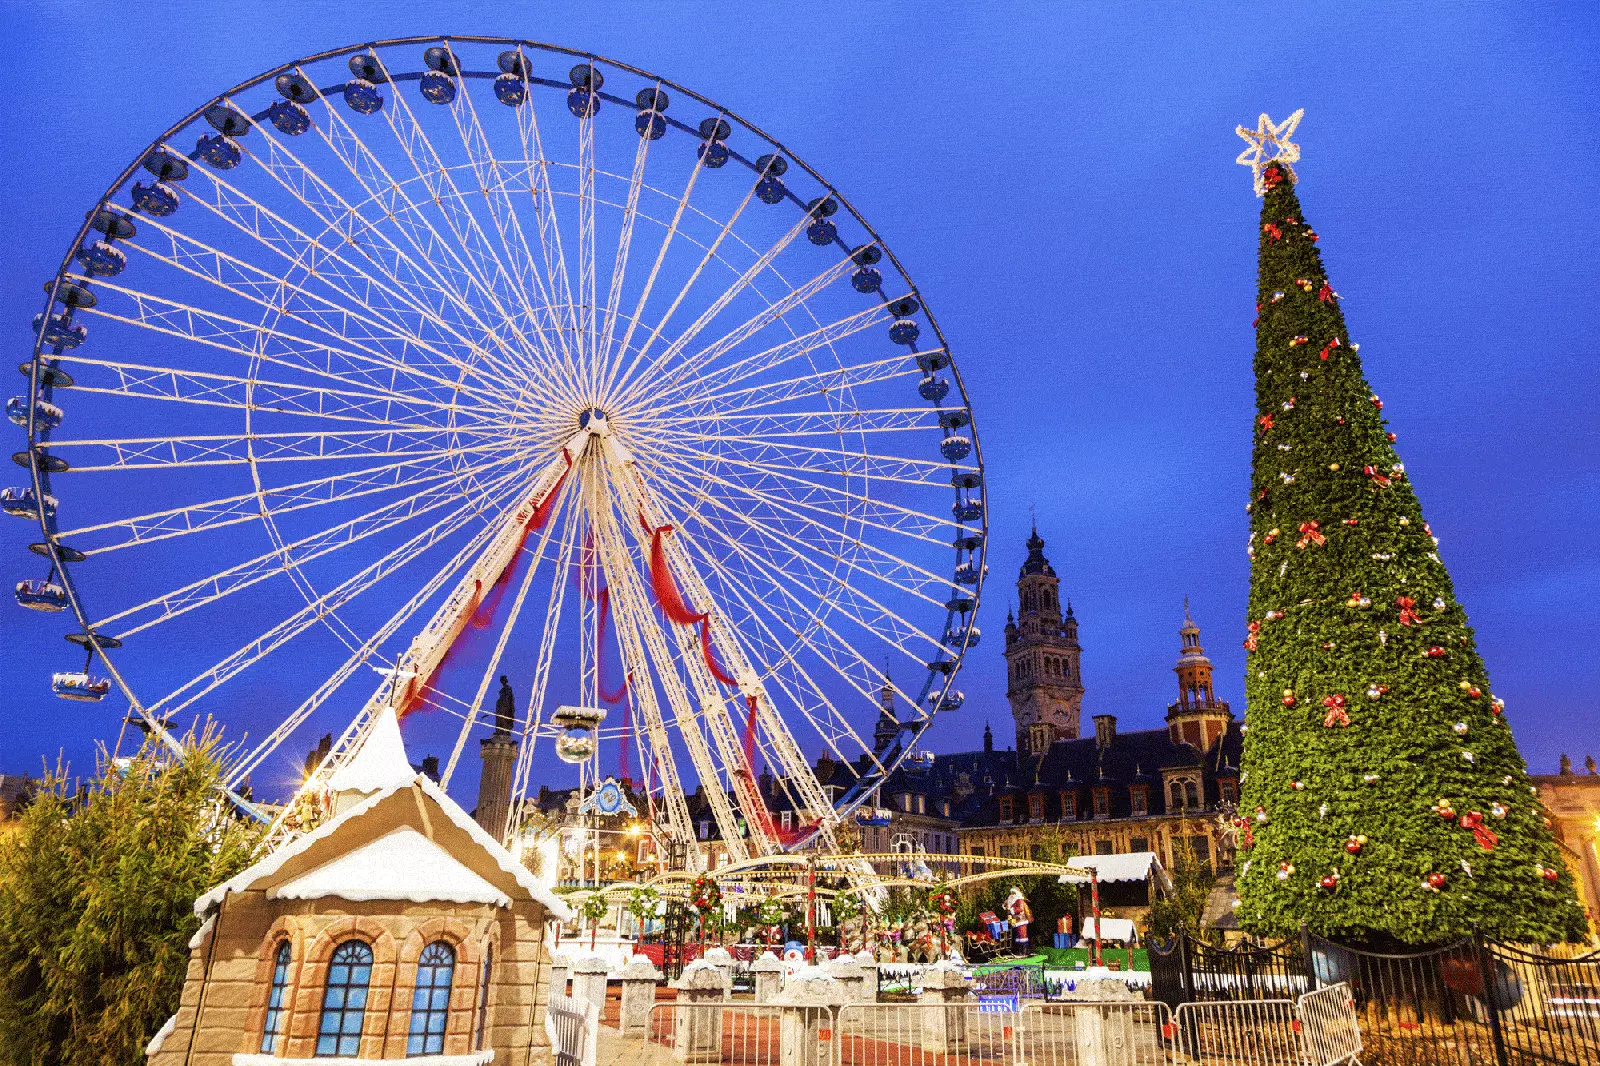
(1383, 795)
(97, 890)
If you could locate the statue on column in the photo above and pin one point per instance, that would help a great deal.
(505, 708)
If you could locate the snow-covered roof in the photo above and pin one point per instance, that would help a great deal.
(1129, 866)
(380, 762)
(402, 864)
(1110, 929)
(383, 765)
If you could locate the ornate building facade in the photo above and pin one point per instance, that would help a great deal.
(1061, 793)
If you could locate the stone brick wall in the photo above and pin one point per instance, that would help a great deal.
(230, 972)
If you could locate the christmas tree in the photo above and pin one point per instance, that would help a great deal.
(1383, 795)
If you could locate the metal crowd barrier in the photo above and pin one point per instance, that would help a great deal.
(1317, 1029)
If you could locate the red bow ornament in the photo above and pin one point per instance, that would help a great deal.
(1326, 348)
(1250, 641)
(1336, 715)
(1381, 480)
(1310, 533)
(1326, 293)
(1266, 423)
(1485, 836)
(1272, 177)
(1272, 231)
(1408, 613)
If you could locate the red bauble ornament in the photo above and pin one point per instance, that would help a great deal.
(1436, 881)
(1474, 692)
(1330, 881)
(1444, 810)
(1435, 652)
(1288, 697)
(1548, 873)
(1355, 844)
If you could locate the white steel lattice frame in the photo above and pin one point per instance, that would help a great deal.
(434, 325)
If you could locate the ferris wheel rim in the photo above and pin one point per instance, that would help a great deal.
(61, 555)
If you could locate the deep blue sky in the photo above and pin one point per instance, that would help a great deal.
(1059, 180)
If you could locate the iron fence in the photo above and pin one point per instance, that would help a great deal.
(1469, 1003)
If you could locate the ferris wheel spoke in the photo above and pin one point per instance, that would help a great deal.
(543, 197)
(489, 671)
(278, 500)
(799, 688)
(818, 636)
(859, 420)
(210, 389)
(631, 613)
(543, 660)
(779, 487)
(364, 654)
(493, 179)
(785, 751)
(619, 267)
(383, 279)
(629, 376)
(840, 462)
(468, 246)
(682, 205)
(335, 322)
(721, 383)
(711, 714)
(793, 558)
(763, 263)
(255, 341)
(226, 449)
(692, 366)
(830, 538)
(490, 275)
(586, 249)
(311, 614)
(280, 560)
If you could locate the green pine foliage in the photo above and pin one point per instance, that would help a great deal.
(97, 889)
(1376, 755)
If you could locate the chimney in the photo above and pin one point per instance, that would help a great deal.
(1105, 729)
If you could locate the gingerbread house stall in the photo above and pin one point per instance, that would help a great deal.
(398, 929)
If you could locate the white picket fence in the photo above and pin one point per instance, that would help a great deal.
(573, 1026)
(1316, 1029)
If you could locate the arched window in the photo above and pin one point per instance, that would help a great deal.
(276, 1014)
(483, 997)
(344, 1001)
(430, 1003)
(1191, 793)
(1177, 794)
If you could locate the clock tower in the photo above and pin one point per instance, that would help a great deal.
(1043, 683)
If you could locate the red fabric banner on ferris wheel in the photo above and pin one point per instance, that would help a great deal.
(673, 605)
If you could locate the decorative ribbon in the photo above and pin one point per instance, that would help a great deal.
(1310, 533)
(1336, 715)
(1250, 641)
(1381, 480)
(1485, 836)
(614, 696)
(1266, 422)
(672, 603)
(1272, 231)
(1408, 612)
(1326, 293)
(1333, 342)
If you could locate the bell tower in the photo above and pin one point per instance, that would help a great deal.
(1043, 682)
(1198, 718)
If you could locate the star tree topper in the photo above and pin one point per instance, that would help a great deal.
(1269, 137)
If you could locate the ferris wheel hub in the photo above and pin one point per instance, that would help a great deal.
(595, 421)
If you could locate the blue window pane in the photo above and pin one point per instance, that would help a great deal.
(430, 1001)
(273, 1027)
(344, 1000)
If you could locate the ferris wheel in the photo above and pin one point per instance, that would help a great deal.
(431, 343)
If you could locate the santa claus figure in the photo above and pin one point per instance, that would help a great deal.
(1021, 915)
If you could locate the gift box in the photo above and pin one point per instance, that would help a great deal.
(1063, 940)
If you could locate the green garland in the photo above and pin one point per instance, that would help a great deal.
(1383, 793)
